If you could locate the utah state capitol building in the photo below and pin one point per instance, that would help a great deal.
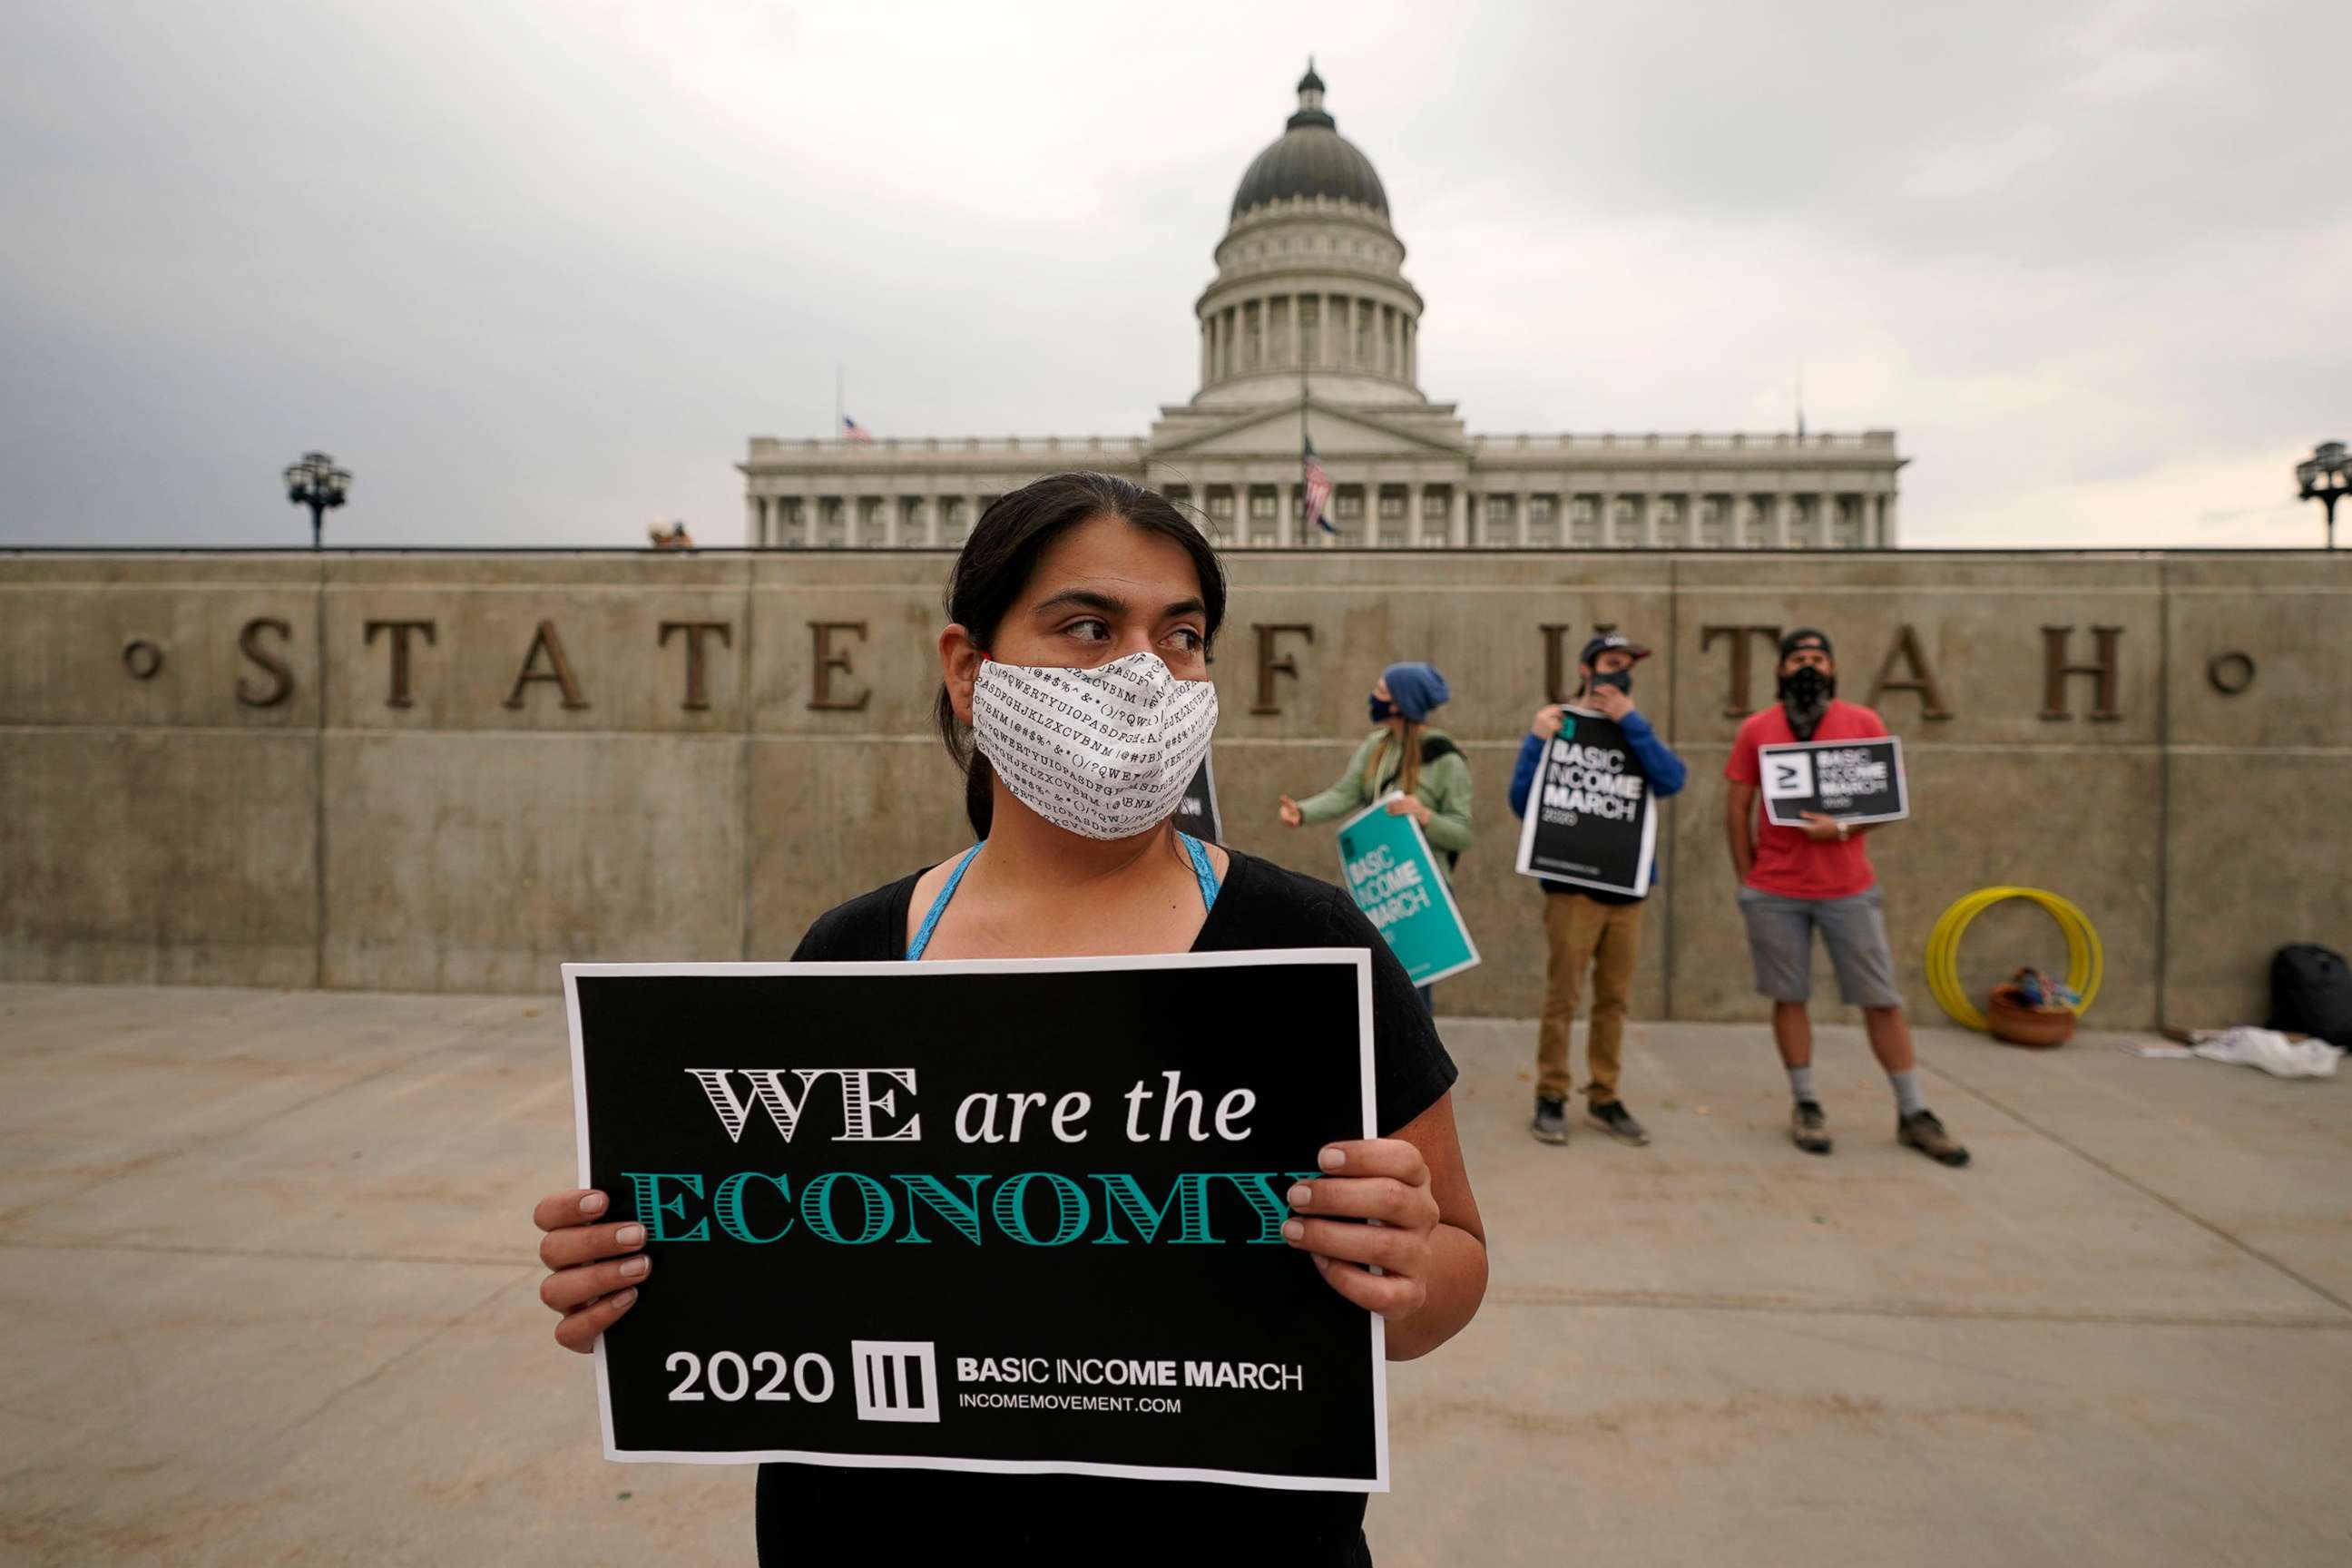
(1310, 302)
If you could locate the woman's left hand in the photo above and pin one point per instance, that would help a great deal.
(1379, 1179)
(1407, 805)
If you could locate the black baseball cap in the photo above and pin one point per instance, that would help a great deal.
(1608, 641)
(1806, 636)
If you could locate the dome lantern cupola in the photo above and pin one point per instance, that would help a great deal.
(1310, 99)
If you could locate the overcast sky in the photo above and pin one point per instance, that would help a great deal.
(536, 272)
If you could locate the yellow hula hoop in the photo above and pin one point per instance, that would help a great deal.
(2086, 961)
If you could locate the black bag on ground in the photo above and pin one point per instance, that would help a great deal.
(2311, 992)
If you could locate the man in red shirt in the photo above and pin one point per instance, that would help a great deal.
(1794, 881)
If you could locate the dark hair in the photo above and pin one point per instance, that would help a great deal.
(994, 565)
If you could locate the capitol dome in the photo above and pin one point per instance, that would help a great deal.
(1310, 159)
(1310, 296)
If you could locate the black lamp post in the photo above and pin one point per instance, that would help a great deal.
(2325, 476)
(317, 483)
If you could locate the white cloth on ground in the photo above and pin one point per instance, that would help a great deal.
(2249, 1046)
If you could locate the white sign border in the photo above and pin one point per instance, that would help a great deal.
(1443, 885)
(1360, 959)
(1902, 779)
(1642, 873)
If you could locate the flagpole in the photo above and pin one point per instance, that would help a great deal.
(1306, 502)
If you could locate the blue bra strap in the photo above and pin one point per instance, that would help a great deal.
(1201, 870)
(940, 905)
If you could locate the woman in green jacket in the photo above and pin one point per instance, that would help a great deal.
(1405, 756)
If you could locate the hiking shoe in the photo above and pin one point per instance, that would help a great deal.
(1924, 1133)
(1551, 1124)
(1612, 1117)
(1809, 1128)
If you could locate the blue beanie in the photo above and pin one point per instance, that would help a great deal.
(1415, 688)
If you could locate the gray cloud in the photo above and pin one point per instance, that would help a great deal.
(536, 272)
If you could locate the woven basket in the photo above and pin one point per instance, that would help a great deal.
(2021, 1025)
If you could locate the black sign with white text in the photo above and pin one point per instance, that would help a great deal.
(1591, 820)
(1196, 813)
(1013, 1215)
(1853, 781)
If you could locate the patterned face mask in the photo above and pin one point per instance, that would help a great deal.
(1103, 753)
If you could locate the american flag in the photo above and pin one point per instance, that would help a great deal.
(850, 430)
(1319, 490)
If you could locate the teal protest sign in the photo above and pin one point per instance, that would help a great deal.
(1387, 867)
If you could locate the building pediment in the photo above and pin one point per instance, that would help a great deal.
(1336, 432)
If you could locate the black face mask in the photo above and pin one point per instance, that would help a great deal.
(1623, 679)
(1806, 688)
(1382, 710)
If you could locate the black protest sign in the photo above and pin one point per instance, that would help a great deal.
(1196, 813)
(1014, 1216)
(1853, 781)
(1591, 820)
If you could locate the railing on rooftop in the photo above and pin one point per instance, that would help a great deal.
(1691, 441)
(1135, 448)
(772, 447)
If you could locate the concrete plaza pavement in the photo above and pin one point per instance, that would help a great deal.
(269, 1295)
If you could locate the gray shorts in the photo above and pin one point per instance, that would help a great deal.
(1781, 940)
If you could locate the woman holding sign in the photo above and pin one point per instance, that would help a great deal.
(1405, 757)
(1086, 596)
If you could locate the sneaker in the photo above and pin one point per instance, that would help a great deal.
(1809, 1128)
(1612, 1117)
(1924, 1133)
(1551, 1119)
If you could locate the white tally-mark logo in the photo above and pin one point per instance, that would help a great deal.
(897, 1380)
(1789, 777)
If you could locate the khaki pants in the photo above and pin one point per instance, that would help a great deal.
(1606, 938)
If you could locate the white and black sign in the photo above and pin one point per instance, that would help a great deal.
(1196, 813)
(1591, 820)
(1853, 781)
(1015, 1215)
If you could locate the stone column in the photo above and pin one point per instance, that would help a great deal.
(1286, 522)
(1208, 354)
(1458, 526)
(1650, 520)
(1887, 539)
(1297, 331)
(891, 505)
(755, 521)
(808, 500)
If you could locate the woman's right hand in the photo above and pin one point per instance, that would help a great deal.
(1545, 722)
(593, 1270)
(1291, 815)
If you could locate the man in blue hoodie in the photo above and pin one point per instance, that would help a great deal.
(1585, 928)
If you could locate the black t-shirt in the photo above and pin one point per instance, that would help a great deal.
(819, 1515)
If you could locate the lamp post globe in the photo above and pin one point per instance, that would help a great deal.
(316, 482)
(2325, 476)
